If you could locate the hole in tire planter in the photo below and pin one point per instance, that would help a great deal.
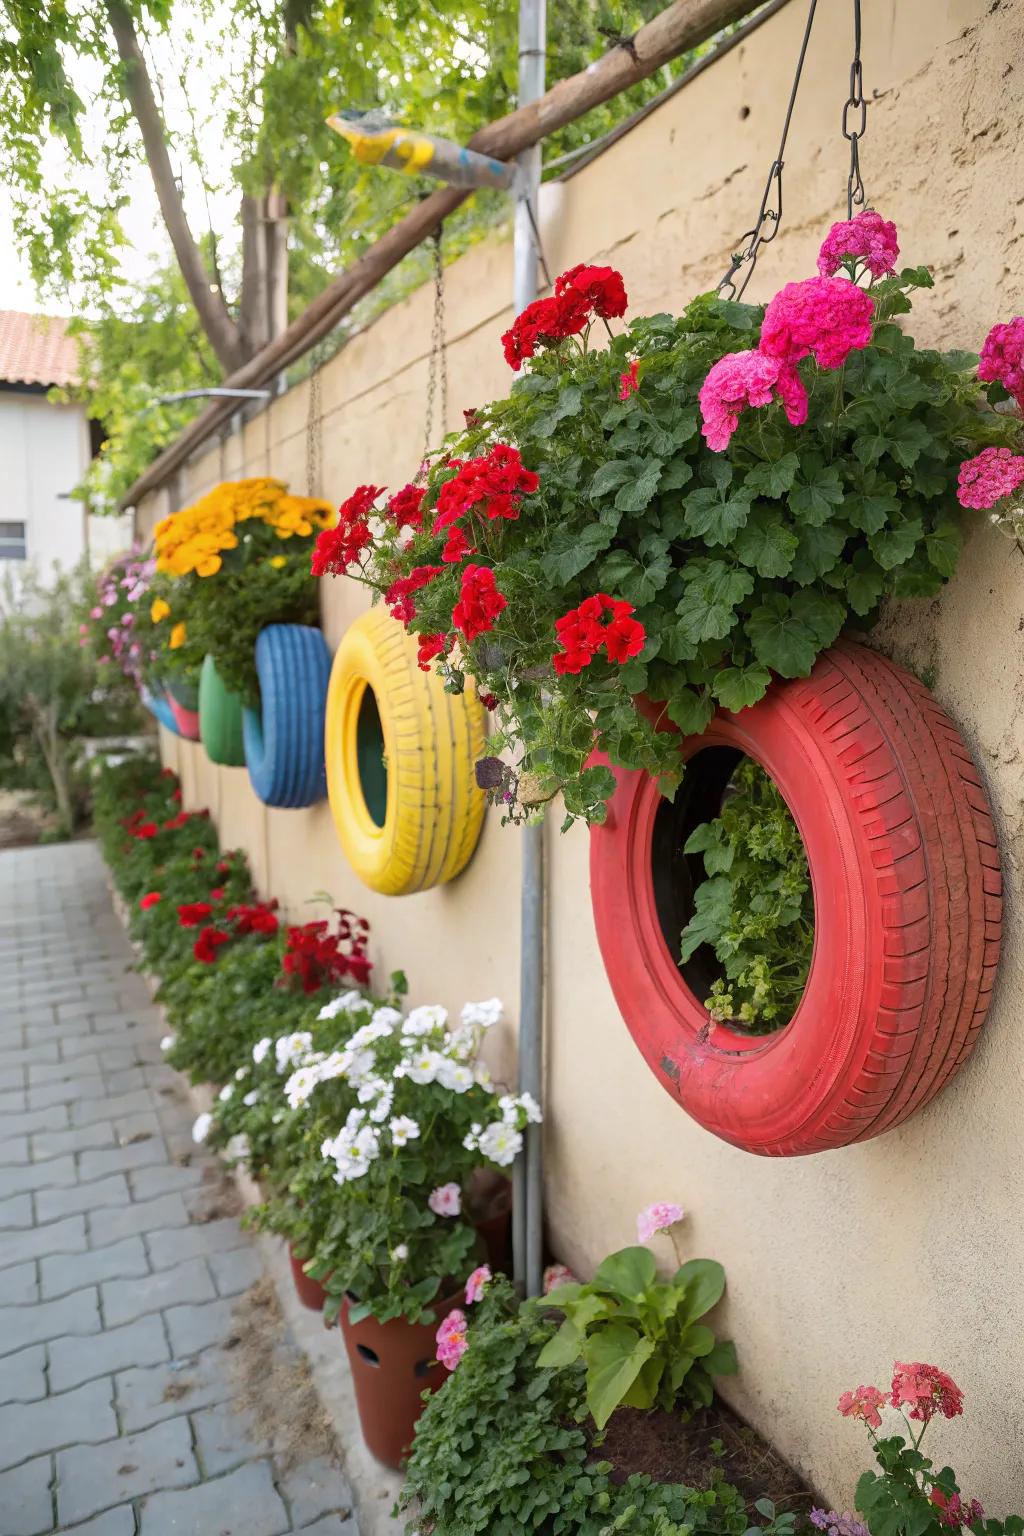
(370, 756)
(907, 890)
(726, 858)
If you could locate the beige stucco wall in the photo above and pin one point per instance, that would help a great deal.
(910, 1246)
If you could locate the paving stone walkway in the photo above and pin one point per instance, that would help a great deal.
(118, 1277)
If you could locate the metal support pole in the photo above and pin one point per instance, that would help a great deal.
(528, 1208)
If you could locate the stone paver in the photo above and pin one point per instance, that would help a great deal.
(116, 1298)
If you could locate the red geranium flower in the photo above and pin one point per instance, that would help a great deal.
(601, 287)
(145, 830)
(926, 1391)
(176, 822)
(149, 900)
(429, 647)
(599, 623)
(405, 507)
(339, 547)
(315, 957)
(545, 322)
(256, 917)
(192, 913)
(480, 602)
(399, 595)
(456, 546)
(494, 483)
(206, 946)
(629, 382)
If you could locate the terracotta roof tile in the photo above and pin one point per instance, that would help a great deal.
(36, 349)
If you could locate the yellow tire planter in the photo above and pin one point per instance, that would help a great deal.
(401, 756)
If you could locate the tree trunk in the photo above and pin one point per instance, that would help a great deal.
(225, 337)
(264, 305)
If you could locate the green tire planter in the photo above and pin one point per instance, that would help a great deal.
(220, 719)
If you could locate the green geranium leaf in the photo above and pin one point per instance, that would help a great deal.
(737, 688)
(774, 478)
(780, 639)
(766, 544)
(869, 513)
(712, 911)
(818, 490)
(943, 546)
(637, 582)
(690, 711)
(609, 477)
(704, 1280)
(715, 518)
(563, 1347)
(639, 489)
(893, 545)
(818, 551)
(572, 550)
(865, 583)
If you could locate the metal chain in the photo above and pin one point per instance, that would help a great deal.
(770, 212)
(438, 351)
(314, 425)
(856, 102)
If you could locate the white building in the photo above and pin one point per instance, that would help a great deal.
(44, 451)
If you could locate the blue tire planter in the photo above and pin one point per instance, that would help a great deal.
(284, 738)
(160, 708)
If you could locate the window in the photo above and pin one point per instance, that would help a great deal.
(12, 541)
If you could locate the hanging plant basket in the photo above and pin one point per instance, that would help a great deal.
(907, 897)
(400, 762)
(159, 706)
(284, 738)
(220, 719)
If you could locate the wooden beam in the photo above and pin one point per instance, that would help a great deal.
(681, 26)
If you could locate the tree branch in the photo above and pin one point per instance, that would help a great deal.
(225, 337)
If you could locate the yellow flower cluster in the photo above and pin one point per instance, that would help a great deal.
(195, 538)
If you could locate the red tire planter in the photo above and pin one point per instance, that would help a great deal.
(907, 893)
(186, 720)
(392, 1365)
(309, 1291)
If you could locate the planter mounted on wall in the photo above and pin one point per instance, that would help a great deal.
(220, 719)
(392, 1365)
(907, 896)
(284, 738)
(400, 762)
(159, 706)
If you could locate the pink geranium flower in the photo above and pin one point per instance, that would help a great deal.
(477, 1283)
(864, 1403)
(451, 1339)
(445, 1200)
(827, 316)
(742, 379)
(556, 1275)
(926, 1391)
(657, 1218)
(1002, 358)
(988, 477)
(867, 238)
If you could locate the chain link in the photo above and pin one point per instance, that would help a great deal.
(314, 425)
(769, 215)
(438, 371)
(857, 105)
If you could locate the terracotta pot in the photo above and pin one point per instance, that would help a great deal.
(309, 1291)
(392, 1365)
(186, 720)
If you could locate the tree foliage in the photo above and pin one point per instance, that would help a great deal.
(247, 86)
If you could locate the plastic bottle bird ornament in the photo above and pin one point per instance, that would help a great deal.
(375, 140)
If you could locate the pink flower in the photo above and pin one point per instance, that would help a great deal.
(1002, 358)
(556, 1275)
(629, 382)
(829, 316)
(445, 1200)
(926, 1391)
(95, 613)
(867, 238)
(864, 1404)
(988, 477)
(477, 1283)
(451, 1339)
(657, 1218)
(742, 379)
(956, 1511)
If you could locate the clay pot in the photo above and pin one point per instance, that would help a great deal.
(309, 1291)
(392, 1365)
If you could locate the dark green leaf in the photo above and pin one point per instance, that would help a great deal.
(766, 544)
(572, 550)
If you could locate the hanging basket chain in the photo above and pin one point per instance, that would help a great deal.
(857, 103)
(314, 423)
(769, 215)
(438, 371)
